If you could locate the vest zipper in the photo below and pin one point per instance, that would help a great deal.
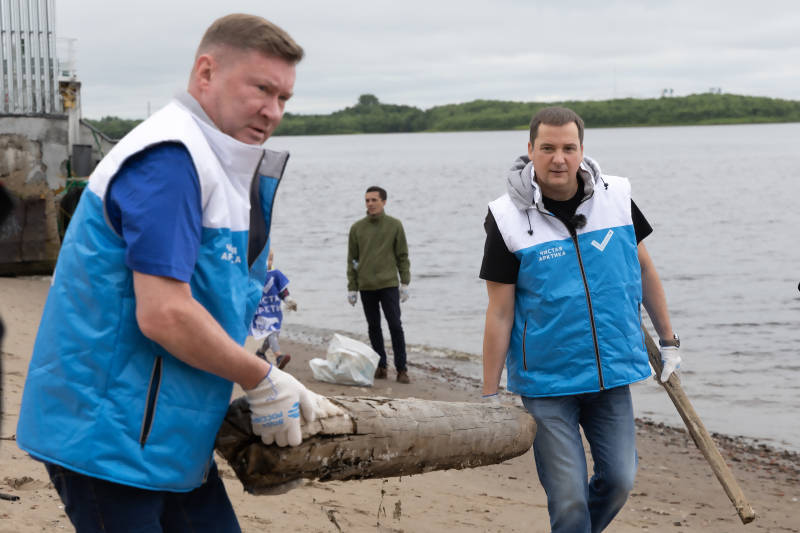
(152, 397)
(574, 235)
(524, 334)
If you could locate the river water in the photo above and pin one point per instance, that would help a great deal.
(722, 201)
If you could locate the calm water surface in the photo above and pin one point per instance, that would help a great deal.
(722, 201)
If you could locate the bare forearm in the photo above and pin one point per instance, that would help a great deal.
(495, 346)
(653, 296)
(497, 333)
(184, 328)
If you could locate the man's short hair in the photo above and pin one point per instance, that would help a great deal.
(381, 191)
(555, 116)
(250, 32)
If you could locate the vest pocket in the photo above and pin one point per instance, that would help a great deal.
(152, 397)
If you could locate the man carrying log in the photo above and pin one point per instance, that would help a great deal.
(157, 281)
(566, 274)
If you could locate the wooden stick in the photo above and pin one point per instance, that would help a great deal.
(380, 437)
(700, 434)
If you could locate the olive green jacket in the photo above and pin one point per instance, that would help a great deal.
(377, 251)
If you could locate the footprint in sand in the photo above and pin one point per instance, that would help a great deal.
(24, 483)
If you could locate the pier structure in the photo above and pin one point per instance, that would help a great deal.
(46, 150)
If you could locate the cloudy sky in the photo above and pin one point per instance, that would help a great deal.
(135, 54)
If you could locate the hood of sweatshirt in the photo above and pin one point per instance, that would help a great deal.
(526, 193)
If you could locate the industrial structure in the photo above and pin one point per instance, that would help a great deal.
(46, 150)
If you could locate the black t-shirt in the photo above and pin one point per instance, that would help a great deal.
(502, 266)
(564, 209)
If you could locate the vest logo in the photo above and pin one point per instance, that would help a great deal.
(602, 245)
(551, 253)
(231, 254)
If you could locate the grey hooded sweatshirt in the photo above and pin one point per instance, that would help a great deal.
(526, 193)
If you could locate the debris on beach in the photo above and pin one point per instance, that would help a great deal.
(379, 438)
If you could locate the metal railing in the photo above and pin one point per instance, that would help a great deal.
(29, 82)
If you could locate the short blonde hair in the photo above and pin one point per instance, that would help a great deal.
(250, 32)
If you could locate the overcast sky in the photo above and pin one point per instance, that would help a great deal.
(426, 53)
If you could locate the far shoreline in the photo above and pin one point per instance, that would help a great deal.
(525, 128)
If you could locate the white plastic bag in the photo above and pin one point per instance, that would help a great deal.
(348, 362)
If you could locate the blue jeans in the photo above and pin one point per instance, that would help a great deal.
(95, 505)
(389, 300)
(577, 504)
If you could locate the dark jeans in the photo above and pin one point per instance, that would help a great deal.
(389, 300)
(95, 505)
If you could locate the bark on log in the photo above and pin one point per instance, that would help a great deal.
(700, 435)
(381, 437)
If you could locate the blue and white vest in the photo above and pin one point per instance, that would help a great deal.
(577, 318)
(102, 399)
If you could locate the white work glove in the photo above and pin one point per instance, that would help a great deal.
(671, 361)
(491, 399)
(403, 292)
(277, 403)
(352, 297)
(291, 305)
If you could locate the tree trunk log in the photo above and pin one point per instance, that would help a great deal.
(380, 437)
(700, 435)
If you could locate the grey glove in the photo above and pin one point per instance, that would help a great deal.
(352, 297)
(403, 292)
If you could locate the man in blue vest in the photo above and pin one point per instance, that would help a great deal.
(157, 281)
(567, 274)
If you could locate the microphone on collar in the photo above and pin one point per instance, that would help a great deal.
(578, 221)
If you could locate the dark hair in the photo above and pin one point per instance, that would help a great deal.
(250, 32)
(555, 116)
(381, 192)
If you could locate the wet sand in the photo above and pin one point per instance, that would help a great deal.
(675, 489)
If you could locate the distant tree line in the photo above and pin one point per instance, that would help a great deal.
(369, 115)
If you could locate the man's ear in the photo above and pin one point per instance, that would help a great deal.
(204, 70)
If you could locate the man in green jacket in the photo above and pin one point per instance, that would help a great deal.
(377, 251)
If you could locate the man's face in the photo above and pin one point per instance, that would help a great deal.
(556, 154)
(244, 92)
(374, 203)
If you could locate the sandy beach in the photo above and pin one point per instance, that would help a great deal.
(675, 489)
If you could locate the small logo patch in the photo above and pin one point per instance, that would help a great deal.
(231, 254)
(602, 245)
(551, 253)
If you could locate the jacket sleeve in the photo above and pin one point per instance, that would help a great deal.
(401, 255)
(352, 259)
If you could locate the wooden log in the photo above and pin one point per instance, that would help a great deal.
(700, 435)
(380, 437)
